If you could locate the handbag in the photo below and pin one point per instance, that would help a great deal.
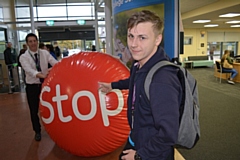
(227, 65)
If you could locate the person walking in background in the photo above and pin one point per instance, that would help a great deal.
(22, 51)
(227, 66)
(50, 49)
(57, 51)
(65, 52)
(212, 53)
(10, 55)
(154, 123)
(93, 48)
(42, 46)
(35, 64)
(10, 58)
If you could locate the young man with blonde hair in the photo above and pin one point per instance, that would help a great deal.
(154, 123)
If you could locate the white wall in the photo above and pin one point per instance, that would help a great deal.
(223, 36)
(211, 35)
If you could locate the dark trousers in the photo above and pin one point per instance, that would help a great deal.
(33, 92)
(129, 146)
(10, 70)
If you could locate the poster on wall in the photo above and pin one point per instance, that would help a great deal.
(123, 9)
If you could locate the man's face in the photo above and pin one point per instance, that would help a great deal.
(143, 42)
(9, 45)
(32, 43)
(25, 47)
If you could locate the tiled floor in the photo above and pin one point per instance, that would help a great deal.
(17, 138)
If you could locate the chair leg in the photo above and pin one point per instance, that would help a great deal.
(220, 77)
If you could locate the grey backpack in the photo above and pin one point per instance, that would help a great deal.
(189, 129)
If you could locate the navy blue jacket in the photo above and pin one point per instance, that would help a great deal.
(156, 122)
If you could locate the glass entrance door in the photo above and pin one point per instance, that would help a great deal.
(3, 40)
(216, 49)
(232, 46)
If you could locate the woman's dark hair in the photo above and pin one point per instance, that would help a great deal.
(50, 47)
(31, 35)
(41, 45)
(93, 48)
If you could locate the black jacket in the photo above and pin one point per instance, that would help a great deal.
(9, 56)
(22, 51)
(156, 122)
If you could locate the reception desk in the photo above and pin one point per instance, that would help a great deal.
(226, 75)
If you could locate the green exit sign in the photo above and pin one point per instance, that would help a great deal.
(50, 23)
(81, 22)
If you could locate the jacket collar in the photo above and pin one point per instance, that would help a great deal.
(160, 55)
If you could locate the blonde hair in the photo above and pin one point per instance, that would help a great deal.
(146, 16)
(226, 52)
(225, 55)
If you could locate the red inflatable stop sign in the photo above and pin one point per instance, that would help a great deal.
(76, 115)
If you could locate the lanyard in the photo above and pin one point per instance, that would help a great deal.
(134, 94)
(36, 62)
(133, 104)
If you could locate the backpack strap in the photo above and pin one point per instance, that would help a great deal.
(152, 71)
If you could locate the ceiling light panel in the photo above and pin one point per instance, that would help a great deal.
(201, 21)
(233, 22)
(230, 15)
(211, 25)
(235, 25)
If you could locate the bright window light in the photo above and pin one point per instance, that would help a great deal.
(235, 25)
(101, 22)
(201, 21)
(233, 22)
(230, 15)
(211, 25)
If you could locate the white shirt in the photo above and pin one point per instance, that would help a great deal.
(29, 66)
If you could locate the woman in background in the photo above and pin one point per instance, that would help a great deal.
(226, 62)
(51, 50)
